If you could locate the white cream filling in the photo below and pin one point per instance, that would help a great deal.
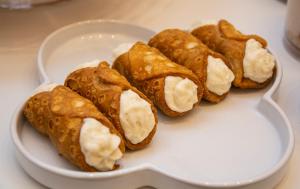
(208, 22)
(180, 94)
(92, 64)
(44, 87)
(136, 116)
(219, 76)
(121, 49)
(99, 147)
(258, 63)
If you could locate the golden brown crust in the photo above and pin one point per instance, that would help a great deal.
(174, 43)
(103, 86)
(230, 32)
(37, 111)
(230, 42)
(146, 68)
(59, 114)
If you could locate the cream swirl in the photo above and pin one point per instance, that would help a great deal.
(99, 147)
(219, 76)
(180, 94)
(258, 63)
(136, 116)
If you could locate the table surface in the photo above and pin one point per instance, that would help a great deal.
(21, 33)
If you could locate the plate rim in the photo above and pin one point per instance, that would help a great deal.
(41, 69)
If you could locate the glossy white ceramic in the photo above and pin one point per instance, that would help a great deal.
(245, 141)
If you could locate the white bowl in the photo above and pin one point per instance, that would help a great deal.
(245, 141)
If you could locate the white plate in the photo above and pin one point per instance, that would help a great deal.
(245, 141)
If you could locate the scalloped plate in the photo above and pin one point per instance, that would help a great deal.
(245, 141)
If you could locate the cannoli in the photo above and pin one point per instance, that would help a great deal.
(131, 112)
(211, 68)
(173, 88)
(252, 64)
(81, 134)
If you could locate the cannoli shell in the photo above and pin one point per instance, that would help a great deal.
(146, 68)
(231, 43)
(103, 86)
(59, 114)
(174, 44)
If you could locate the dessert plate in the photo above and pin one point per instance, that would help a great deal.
(245, 141)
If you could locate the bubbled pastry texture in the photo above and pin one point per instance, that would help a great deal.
(185, 49)
(227, 40)
(59, 114)
(104, 86)
(146, 68)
